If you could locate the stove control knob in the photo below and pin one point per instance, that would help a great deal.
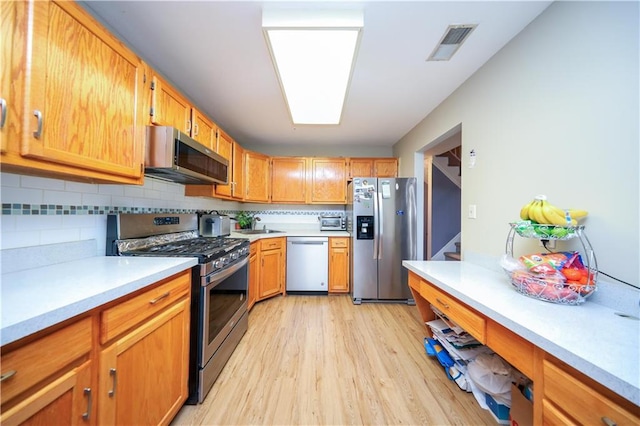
(218, 264)
(243, 251)
(225, 260)
(234, 255)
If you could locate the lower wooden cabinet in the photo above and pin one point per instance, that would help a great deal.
(570, 397)
(338, 265)
(50, 378)
(143, 372)
(272, 267)
(125, 363)
(254, 271)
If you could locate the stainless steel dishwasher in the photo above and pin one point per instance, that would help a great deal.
(307, 264)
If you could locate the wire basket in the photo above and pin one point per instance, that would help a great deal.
(551, 289)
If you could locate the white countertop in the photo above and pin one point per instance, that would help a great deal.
(589, 337)
(290, 232)
(35, 299)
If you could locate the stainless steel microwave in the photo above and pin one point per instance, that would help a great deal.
(174, 156)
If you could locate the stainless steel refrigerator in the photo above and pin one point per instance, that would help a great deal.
(381, 216)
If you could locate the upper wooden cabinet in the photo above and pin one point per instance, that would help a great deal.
(168, 107)
(373, 167)
(7, 29)
(327, 181)
(204, 130)
(258, 184)
(76, 96)
(289, 180)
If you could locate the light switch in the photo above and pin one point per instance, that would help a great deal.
(472, 211)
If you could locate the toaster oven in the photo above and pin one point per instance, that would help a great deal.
(332, 223)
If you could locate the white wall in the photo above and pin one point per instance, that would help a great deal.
(554, 112)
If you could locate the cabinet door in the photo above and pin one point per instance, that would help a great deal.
(82, 92)
(288, 180)
(143, 375)
(7, 29)
(385, 167)
(239, 179)
(169, 107)
(360, 167)
(257, 183)
(271, 262)
(254, 273)
(339, 265)
(328, 181)
(204, 130)
(225, 149)
(67, 400)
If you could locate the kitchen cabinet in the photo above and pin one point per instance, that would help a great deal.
(563, 394)
(7, 29)
(373, 167)
(50, 378)
(338, 265)
(170, 108)
(289, 180)
(253, 274)
(204, 130)
(76, 94)
(570, 397)
(327, 181)
(144, 357)
(272, 267)
(258, 182)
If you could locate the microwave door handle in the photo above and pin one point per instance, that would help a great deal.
(380, 225)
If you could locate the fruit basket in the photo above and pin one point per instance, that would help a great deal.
(554, 288)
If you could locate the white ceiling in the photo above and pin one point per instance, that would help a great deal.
(215, 53)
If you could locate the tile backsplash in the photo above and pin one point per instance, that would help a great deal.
(40, 211)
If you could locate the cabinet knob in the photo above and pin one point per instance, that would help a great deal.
(3, 117)
(607, 421)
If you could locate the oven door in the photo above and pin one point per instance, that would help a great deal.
(224, 302)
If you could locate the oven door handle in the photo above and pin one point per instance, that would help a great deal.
(217, 277)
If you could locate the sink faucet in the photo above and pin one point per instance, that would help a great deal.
(253, 222)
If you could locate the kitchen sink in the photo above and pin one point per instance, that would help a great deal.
(257, 231)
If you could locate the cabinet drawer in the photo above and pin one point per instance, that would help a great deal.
(513, 348)
(30, 364)
(582, 400)
(339, 242)
(133, 311)
(253, 249)
(271, 243)
(462, 315)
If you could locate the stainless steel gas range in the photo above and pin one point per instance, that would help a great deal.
(219, 284)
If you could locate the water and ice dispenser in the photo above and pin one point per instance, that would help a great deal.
(364, 230)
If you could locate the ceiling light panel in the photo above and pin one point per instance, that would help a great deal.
(313, 53)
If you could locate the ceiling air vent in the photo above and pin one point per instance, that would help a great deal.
(452, 39)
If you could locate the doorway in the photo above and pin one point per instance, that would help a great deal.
(442, 161)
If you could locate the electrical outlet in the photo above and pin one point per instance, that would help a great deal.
(472, 211)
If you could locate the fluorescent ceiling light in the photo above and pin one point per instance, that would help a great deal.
(313, 52)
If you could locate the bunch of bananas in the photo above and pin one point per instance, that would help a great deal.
(541, 211)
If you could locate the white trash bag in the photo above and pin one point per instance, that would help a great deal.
(493, 375)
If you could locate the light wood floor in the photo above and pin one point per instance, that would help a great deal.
(320, 360)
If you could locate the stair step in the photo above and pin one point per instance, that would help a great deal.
(457, 247)
(451, 256)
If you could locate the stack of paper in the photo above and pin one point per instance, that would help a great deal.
(460, 344)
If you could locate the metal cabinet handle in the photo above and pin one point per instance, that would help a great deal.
(444, 305)
(87, 391)
(188, 126)
(3, 117)
(196, 129)
(159, 298)
(9, 374)
(607, 421)
(112, 373)
(38, 131)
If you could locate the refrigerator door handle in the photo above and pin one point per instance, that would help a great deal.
(380, 224)
(376, 220)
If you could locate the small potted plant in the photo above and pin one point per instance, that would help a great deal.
(244, 219)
